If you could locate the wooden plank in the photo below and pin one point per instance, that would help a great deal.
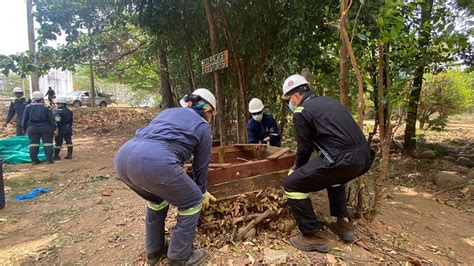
(278, 154)
(221, 154)
(251, 168)
(211, 165)
(246, 185)
(245, 145)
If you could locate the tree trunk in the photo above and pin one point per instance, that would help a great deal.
(92, 83)
(384, 134)
(31, 44)
(189, 60)
(344, 60)
(91, 70)
(414, 99)
(242, 101)
(360, 93)
(216, 74)
(165, 86)
(422, 123)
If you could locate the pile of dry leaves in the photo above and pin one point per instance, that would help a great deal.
(244, 217)
(110, 120)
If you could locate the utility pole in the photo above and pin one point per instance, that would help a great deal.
(31, 44)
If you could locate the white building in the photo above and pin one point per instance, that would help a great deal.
(60, 81)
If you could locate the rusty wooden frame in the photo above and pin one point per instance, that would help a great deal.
(270, 162)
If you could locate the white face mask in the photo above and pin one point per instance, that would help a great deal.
(257, 118)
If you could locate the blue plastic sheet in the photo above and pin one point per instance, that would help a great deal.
(33, 194)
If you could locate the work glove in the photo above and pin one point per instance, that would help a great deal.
(291, 171)
(206, 199)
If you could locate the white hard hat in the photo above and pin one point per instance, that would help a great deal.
(292, 82)
(255, 105)
(61, 99)
(17, 89)
(206, 95)
(37, 95)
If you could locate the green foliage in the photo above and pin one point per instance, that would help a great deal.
(7, 83)
(438, 123)
(445, 94)
(272, 39)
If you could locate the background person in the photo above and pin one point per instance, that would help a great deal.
(262, 128)
(38, 122)
(17, 106)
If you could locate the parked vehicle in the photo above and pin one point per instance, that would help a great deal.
(80, 98)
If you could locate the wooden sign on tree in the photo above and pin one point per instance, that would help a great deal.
(215, 62)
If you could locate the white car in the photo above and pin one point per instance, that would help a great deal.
(80, 98)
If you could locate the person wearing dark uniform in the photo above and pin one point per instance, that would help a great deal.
(64, 120)
(151, 164)
(38, 122)
(324, 125)
(262, 128)
(51, 95)
(17, 106)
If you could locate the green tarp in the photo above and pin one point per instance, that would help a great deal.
(15, 150)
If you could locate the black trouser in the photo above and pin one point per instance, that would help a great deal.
(319, 174)
(66, 136)
(19, 129)
(37, 133)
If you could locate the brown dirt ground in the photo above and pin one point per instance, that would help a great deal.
(77, 224)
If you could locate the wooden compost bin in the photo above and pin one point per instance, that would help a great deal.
(243, 168)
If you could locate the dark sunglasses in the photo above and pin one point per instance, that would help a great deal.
(257, 113)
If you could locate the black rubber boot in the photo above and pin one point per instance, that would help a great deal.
(56, 154)
(197, 258)
(154, 258)
(48, 150)
(34, 155)
(69, 153)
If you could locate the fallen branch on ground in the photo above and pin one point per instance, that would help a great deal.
(448, 189)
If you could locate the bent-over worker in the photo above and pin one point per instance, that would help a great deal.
(151, 164)
(324, 125)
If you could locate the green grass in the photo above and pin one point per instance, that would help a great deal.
(23, 185)
(20, 182)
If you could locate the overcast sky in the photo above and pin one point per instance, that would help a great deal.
(13, 29)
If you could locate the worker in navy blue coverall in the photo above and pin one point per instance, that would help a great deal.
(17, 106)
(38, 122)
(151, 164)
(322, 124)
(262, 128)
(64, 119)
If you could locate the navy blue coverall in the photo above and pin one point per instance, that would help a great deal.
(257, 131)
(151, 164)
(17, 106)
(324, 125)
(38, 122)
(51, 95)
(64, 120)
